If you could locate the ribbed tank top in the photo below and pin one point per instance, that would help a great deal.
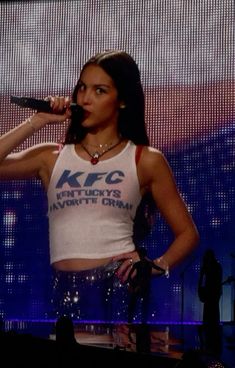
(91, 208)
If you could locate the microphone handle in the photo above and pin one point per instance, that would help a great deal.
(40, 105)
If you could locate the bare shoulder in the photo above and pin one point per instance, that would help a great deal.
(46, 154)
(41, 150)
(153, 157)
(152, 166)
(36, 161)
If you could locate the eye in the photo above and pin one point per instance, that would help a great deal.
(99, 90)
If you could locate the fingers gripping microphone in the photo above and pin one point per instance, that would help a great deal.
(40, 105)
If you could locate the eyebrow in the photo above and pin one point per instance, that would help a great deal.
(96, 85)
(102, 85)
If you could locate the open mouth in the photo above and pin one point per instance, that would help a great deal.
(86, 114)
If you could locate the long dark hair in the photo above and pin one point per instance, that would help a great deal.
(125, 74)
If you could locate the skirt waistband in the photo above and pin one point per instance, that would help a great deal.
(97, 273)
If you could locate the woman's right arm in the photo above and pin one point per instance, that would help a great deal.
(28, 163)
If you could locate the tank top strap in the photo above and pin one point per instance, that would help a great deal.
(138, 152)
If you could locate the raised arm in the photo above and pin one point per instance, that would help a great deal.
(29, 162)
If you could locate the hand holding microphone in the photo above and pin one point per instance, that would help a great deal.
(43, 105)
(58, 110)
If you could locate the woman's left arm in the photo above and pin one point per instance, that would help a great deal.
(172, 207)
(155, 175)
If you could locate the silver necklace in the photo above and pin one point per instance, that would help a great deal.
(95, 156)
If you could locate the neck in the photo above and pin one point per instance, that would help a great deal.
(101, 139)
(96, 151)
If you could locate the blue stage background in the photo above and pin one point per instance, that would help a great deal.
(185, 53)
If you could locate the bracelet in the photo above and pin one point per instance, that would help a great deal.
(29, 122)
(164, 266)
(163, 269)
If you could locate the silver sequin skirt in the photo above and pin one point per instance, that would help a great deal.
(91, 295)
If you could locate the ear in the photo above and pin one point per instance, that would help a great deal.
(122, 105)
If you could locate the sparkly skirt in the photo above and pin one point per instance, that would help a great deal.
(91, 295)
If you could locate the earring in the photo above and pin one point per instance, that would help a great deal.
(122, 106)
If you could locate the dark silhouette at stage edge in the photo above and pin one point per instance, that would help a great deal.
(209, 292)
(65, 332)
(210, 287)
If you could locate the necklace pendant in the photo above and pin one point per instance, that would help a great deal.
(94, 160)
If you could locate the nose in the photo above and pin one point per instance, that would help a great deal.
(85, 97)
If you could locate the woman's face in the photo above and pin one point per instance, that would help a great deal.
(98, 97)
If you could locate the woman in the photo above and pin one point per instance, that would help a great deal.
(95, 182)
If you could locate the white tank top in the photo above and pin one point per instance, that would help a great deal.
(91, 208)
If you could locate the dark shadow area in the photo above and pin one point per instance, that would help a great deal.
(69, 343)
(29, 351)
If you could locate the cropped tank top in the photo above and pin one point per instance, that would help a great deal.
(91, 208)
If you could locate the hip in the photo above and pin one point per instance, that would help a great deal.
(80, 264)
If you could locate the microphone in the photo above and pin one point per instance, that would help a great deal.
(41, 105)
